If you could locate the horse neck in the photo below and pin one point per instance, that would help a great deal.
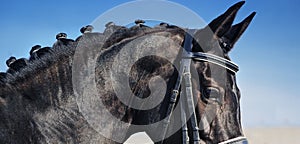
(43, 100)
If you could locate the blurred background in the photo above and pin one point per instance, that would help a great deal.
(267, 53)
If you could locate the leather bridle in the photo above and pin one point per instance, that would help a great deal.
(184, 73)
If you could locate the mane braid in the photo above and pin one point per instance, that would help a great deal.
(37, 66)
(61, 52)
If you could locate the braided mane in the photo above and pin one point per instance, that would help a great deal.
(111, 35)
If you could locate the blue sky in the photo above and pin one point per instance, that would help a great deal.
(267, 52)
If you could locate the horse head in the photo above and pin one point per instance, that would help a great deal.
(218, 95)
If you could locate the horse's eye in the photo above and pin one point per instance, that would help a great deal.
(211, 93)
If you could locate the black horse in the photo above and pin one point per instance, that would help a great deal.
(55, 101)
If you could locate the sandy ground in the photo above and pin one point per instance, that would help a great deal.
(273, 135)
(254, 135)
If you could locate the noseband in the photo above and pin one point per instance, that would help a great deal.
(184, 73)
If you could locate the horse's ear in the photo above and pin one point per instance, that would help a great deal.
(222, 24)
(228, 40)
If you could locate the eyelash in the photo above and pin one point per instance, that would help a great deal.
(211, 94)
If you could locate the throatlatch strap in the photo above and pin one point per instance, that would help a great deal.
(185, 134)
(186, 63)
